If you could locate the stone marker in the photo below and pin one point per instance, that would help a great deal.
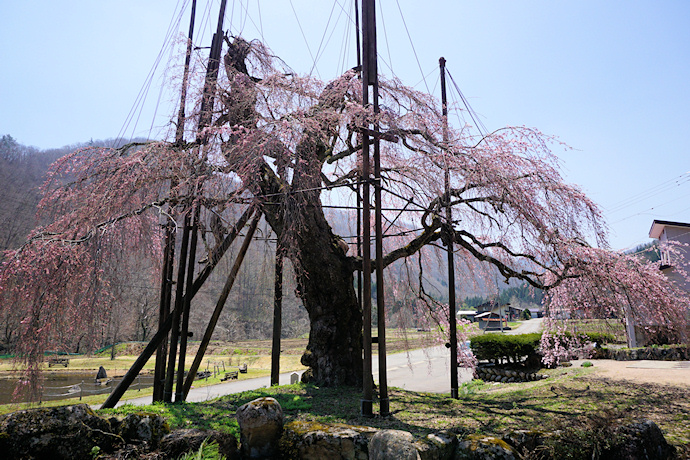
(294, 378)
(261, 425)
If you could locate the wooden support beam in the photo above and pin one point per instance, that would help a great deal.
(179, 303)
(187, 304)
(139, 364)
(219, 307)
(277, 315)
(165, 327)
(448, 237)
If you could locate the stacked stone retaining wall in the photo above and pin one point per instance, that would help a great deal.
(673, 353)
(497, 374)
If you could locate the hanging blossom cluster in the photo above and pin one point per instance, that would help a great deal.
(606, 284)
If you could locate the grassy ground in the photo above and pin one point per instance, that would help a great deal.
(570, 400)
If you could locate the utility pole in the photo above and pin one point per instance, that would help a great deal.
(370, 78)
(368, 390)
(277, 314)
(448, 234)
(169, 251)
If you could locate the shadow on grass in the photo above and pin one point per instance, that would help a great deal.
(575, 403)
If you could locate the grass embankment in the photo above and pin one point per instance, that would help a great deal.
(570, 400)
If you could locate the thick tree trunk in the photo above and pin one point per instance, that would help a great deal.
(326, 284)
(325, 275)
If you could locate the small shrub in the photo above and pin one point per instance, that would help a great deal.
(587, 364)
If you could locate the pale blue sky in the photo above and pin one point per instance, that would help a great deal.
(608, 78)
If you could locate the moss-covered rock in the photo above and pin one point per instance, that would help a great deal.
(437, 446)
(641, 440)
(143, 428)
(389, 444)
(261, 426)
(313, 440)
(66, 432)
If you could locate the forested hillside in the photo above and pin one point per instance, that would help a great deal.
(134, 316)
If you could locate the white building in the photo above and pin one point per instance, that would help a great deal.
(679, 232)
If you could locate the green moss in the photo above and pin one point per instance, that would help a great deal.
(477, 440)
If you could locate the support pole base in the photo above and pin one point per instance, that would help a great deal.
(367, 408)
(384, 404)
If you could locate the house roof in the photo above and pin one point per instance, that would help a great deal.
(487, 313)
(467, 312)
(658, 227)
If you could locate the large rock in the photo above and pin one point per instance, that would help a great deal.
(261, 425)
(180, 442)
(65, 432)
(640, 441)
(315, 441)
(143, 428)
(437, 446)
(393, 445)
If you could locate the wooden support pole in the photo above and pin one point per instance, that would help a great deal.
(219, 251)
(448, 236)
(187, 304)
(179, 133)
(384, 402)
(368, 383)
(139, 363)
(163, 329)
(169, 254)
(164, 310)
(219, 306)
(277, 315)
(179, 302)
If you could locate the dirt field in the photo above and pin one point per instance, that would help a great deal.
(674, 373)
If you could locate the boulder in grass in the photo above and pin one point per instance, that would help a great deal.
(261, 425)
(65, 432)
(393, 444)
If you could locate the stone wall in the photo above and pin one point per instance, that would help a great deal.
(498, 374)
(671, 353)
(315, 441)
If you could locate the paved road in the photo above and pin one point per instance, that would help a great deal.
(528, 327)
(426, 370)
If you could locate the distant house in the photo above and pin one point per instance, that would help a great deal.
(492, 316)
(467, 314)
(536, 312)
(665, 232)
